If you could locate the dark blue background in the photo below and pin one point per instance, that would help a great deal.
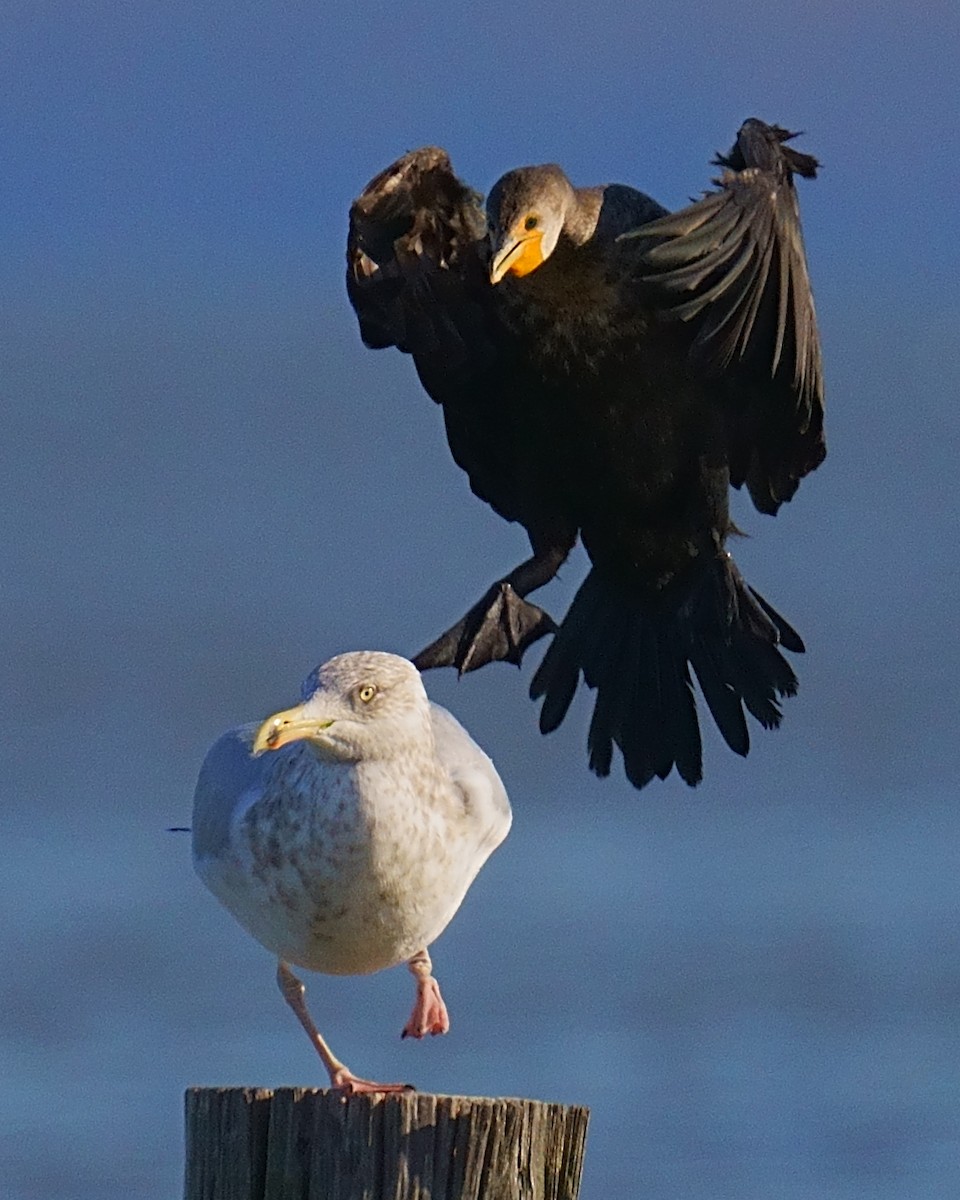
(209, 486)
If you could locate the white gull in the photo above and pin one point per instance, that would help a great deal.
(343, 833)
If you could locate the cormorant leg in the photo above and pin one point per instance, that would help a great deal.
(429, 1011)
(501, 625)
(342, 1079)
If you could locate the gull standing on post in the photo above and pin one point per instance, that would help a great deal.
(343, 833)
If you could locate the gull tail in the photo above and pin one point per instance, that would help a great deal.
(637, 651)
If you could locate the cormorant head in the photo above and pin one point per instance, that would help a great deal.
(525, 213)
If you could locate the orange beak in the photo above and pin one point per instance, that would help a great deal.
(517, 255)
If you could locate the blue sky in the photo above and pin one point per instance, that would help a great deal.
(208, 485)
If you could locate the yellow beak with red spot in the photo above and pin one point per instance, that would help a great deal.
(291, 725)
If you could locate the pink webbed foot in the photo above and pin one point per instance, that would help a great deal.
(429, 1011)
(344, 1080)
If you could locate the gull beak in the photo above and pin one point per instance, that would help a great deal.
(512, 255)
(291, 725)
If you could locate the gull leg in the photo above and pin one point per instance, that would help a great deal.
(342, 1079)
(501, 625)
(429, 1011)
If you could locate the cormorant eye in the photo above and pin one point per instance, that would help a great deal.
(531, 222)
(366, 693)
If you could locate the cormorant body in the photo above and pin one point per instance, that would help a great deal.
(607, 371)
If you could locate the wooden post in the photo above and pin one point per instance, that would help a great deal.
(307, 1144)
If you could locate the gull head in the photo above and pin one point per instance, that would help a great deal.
(359, 706)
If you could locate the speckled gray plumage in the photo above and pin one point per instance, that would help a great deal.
(351, 851)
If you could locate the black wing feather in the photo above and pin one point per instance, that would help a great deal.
(417, 279)
(412, 259)
(733, 266)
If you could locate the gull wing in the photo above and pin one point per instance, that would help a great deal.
(475, 777)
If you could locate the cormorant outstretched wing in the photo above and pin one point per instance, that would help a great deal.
(417, 276)
(412, 255)
(733, 264)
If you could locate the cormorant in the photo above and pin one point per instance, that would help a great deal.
(607, 370)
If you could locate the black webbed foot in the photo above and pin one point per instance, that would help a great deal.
(499, 628)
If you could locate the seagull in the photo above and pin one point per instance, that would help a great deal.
(343, 833)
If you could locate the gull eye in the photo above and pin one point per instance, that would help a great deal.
(531, 222)
(366, 693)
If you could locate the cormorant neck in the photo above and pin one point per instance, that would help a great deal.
(582, 213)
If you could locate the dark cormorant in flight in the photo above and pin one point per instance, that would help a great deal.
(607, 370)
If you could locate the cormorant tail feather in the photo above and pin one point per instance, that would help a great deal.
(637, 651)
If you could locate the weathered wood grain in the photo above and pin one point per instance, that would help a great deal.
(306, 1144)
